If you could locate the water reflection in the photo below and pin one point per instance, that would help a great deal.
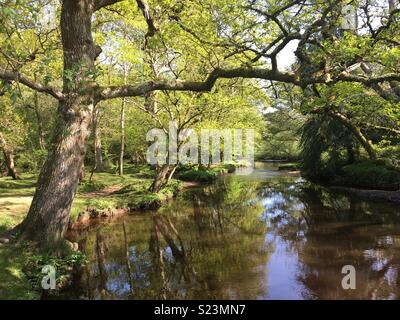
(264, 236)
(320, 231)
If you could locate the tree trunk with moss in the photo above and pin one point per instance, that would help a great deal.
(48, 216)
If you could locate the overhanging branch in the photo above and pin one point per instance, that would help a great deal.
(141, 89)
(14, 76)
(194, 86)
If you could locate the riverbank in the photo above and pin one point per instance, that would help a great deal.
(366, 179)
(99, 201)
(105, 193)
(20, 263)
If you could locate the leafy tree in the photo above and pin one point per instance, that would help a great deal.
(199, 41)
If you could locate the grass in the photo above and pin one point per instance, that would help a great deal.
(15, 199)
(16, 195)
(14, 284)
(23, 187)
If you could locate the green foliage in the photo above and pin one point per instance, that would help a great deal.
(290, 166)
(64, 266)
(172, 187)
(199, 175)
(22, 264)
(203, 174)
(281, 139)
(91, 186)
(31, 162)
(371, 175)
(13, 281)
(325, 145)
(391, 155)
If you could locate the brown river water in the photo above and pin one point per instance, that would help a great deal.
(268, 235)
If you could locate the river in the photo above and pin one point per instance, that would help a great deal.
(268, 235)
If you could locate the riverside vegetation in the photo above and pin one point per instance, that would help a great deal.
(83, 82)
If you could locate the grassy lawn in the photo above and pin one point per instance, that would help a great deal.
(15, 199)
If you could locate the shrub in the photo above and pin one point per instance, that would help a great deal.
(231, 167)
(391, 155)
(371, 175)
(91, 186)
(64, 266)
(32, 161)
(199, 175)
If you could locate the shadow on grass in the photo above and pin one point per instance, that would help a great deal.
(13, 283)
(24, 187)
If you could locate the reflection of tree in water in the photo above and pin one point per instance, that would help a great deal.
(209, 243)
(330, 230)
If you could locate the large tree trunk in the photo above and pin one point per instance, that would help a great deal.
(48, 216)
(9, 159)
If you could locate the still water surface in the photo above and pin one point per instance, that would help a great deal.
(264, 236)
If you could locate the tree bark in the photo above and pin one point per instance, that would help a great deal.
(161, 179)
(48, 216)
